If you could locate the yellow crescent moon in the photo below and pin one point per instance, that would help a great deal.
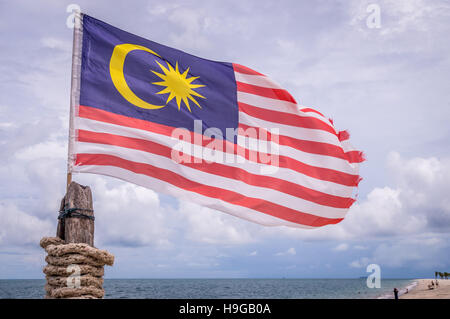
(116, 71)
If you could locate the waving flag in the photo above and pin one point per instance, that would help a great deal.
(218, 134)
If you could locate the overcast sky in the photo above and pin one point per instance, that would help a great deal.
(389, 86)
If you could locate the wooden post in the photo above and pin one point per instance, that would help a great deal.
(69, 180)
(75, 230)
(73, 227)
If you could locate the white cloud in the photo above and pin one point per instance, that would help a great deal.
(129, 215)
(291, 251)
(192, 24)
(161, 9)
(55, 43)
(209, 226)
(20, 228)
(382, 214)
(7, 125)
(412, 252)
(253, 253)
(48, 149)
(421, 251)
(341, 247)
(360, 263)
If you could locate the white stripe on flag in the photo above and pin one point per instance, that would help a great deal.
(259, 80)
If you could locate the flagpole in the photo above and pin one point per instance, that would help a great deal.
(74, 91)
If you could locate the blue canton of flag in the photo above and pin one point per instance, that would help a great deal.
(112, 59)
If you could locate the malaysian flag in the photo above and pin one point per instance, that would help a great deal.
(218, 134)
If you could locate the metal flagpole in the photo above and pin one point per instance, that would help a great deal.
(74, 90)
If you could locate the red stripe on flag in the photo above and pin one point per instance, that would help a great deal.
(182, 182)
(285, 118)
(220, 169)
(343, 135)
(243, 69)
(307, 109)
(355, 156)
(278, 94)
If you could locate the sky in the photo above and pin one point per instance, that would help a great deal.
(388, 85)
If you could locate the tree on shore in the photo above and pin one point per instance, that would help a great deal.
(442, 275)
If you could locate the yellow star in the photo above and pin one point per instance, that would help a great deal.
(178, 85)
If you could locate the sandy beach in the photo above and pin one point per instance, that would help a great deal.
(421, 291)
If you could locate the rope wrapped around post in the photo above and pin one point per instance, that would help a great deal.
(75, 268)
(75, 212)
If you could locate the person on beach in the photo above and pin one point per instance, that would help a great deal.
(437, 284)
(396, 293)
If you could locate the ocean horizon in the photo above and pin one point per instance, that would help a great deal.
(222, 288)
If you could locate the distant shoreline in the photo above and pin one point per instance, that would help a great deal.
(401, 290)
(421, 291)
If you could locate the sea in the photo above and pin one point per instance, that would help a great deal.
(222, 288)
